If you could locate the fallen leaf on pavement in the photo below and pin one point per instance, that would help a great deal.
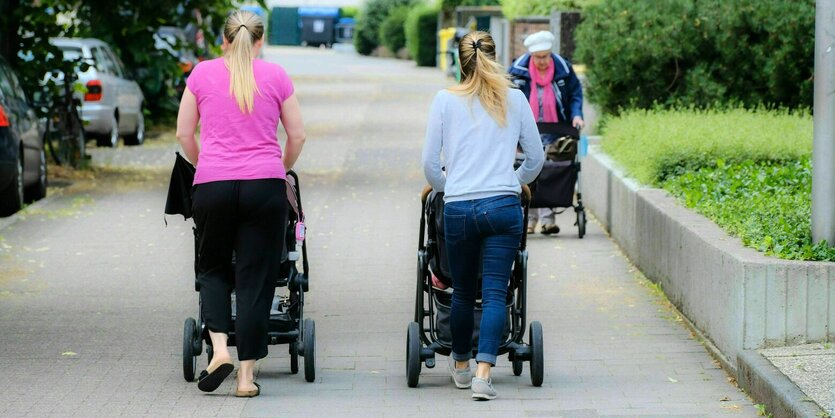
(672, 380)
(69, 353)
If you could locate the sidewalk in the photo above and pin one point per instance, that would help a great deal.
(94, 289)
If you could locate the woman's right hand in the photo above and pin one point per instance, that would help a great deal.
(526, 193)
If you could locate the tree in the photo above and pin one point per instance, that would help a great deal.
(128, 26)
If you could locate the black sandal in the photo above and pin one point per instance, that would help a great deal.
(210, 381)
(550, 229)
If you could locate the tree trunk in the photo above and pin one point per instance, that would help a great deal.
(9, 43)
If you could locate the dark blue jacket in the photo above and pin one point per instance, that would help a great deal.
(569, 89)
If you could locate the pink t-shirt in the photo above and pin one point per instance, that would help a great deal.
(235, 145)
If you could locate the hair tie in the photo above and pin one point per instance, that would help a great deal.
(242, 26)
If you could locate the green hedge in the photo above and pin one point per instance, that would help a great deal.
(641, 53)
(520, 8)
(747, 170)
(371, 16)
(654, 144)
(421, 36)
(391, 33)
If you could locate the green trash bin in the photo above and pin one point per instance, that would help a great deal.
(284, 26)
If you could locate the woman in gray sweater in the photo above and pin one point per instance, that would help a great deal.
(473, 131)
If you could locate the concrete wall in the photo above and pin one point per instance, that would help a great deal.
(739, 298)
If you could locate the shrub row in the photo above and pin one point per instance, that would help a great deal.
(369, 21)
(641, 53)
(655, 144)
(396, 24)
(421, 36)
(747, 170)
(766, 204)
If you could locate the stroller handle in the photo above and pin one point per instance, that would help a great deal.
(526, 194)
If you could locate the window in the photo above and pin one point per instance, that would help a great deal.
(117, 63)
(71, 54)
(103, 62)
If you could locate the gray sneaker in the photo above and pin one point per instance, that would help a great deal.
(462, 377)
(483, 389)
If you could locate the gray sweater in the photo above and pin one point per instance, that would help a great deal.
(478, 154)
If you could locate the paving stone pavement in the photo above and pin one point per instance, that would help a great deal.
(94, 288)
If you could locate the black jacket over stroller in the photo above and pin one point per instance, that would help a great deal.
(429, 333)
(287, 323)
(558, 182)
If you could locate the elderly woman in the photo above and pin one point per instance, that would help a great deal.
(554, 94)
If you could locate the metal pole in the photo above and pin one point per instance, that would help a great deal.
(823, 153)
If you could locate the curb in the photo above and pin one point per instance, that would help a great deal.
(768, 385)
(13, 218)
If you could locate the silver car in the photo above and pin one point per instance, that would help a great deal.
(112, 104)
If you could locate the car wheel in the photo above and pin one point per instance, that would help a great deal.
(111, 138)
(138, 136)
(11, 199)
(37, 191)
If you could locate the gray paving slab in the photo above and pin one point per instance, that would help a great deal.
(811, 367)
(94, 288)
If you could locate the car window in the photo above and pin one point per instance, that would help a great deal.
(71, 54)
(5, 82)
(16, 87)
(117, 63)
(103, 62)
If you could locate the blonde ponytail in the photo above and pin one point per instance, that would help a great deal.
(242, 30)
(482, 76)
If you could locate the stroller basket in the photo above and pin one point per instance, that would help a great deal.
(443, 309)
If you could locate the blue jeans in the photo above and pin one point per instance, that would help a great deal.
(487, 231)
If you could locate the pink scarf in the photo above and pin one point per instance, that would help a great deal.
(549, 102)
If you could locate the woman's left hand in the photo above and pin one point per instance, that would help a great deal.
(578, 123)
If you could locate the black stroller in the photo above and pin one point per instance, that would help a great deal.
(429, 333)
(559, 181)
(287, 322)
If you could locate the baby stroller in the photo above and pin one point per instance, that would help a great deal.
(287, 322)
(429, 333)
(560, 176)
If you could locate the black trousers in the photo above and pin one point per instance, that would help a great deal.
(247, 218)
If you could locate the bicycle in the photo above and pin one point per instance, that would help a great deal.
(64, 125)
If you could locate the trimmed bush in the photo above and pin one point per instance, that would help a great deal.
(421, 39)
(392, 34)
(349, 11)
(698, 52)
(747, 170)
(371, 16)
(655, 144)
(520, 8)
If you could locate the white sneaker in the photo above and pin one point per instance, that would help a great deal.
(462, 377)
(483, 389)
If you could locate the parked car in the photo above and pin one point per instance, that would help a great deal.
(174, 41)
(112, 105)
(22, 154)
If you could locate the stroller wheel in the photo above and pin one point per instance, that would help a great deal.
(517, 367)
(294, 358)
(413, 354)
(309, 350)
(581, 223)
(189, 358)
(537, 358)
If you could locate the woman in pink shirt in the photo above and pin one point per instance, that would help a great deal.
(240, 200)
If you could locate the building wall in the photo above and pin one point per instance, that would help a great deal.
(521, 28)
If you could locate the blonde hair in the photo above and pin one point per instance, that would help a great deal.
(482, 76)
(242, 30)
